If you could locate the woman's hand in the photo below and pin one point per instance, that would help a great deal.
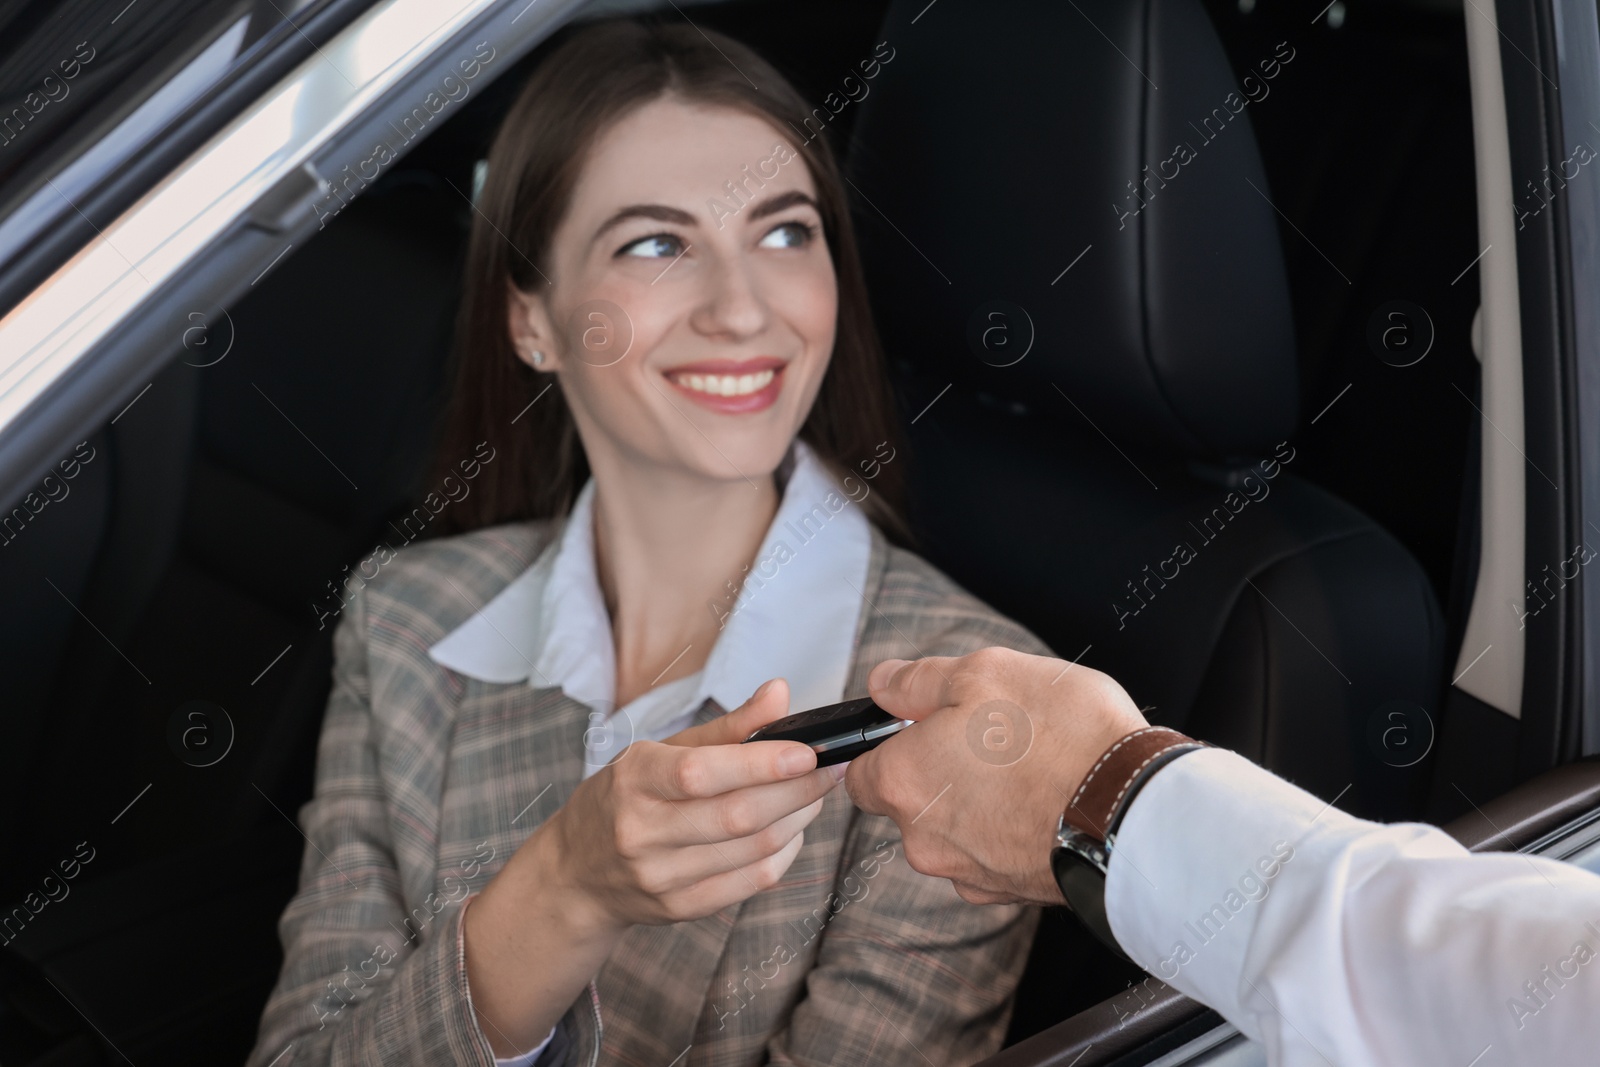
(667, 832)
(674, 831)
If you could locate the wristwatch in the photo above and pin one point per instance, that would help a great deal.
(1087, 831)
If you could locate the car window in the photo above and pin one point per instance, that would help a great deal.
(86, 85)
(69, 70)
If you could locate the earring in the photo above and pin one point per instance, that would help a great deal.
(537, 357)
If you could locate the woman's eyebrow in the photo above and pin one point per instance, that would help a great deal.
(659, 212)
(782, 202)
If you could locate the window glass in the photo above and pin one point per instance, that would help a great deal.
(84, 83)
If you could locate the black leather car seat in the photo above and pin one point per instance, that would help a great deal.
(1065, 220)
(242, 485)
(198, 546)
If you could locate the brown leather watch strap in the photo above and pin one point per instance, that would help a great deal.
(1097, 799)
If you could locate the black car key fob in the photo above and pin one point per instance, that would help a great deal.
(837, 732)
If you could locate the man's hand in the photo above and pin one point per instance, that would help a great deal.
(1002, 742)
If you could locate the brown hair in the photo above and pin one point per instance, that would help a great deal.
(589, 81)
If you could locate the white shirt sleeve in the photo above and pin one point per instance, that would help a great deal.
(1333, 940)
(527, 1058)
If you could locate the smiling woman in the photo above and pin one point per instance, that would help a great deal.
(675, 394)
(646, 126)
(658, 260)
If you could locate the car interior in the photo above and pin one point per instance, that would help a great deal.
(1151, 427)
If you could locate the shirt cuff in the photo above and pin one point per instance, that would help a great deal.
(1197, 851)
(527, 1058)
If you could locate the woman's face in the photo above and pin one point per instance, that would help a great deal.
(692, 302)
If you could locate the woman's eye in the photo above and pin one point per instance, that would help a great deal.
(788, 235)
(655, 246)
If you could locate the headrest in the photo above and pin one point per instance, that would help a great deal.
(1064, 202)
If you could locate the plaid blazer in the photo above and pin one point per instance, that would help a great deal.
(427, 781)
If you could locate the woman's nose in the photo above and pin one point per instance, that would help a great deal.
(734, 305)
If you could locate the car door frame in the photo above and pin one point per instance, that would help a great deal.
(1549, 44)
(105, 333)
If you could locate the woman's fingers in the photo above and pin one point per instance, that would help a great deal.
(769, 703)
(676, 871)
(712, 894)
(744, 812)
(674, 772)
(718, 762)
(702, 820)
(731, 816)
(710, 859)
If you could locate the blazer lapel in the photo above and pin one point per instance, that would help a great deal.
(708, 711)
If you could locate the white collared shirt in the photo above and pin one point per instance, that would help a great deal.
(794, 618)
